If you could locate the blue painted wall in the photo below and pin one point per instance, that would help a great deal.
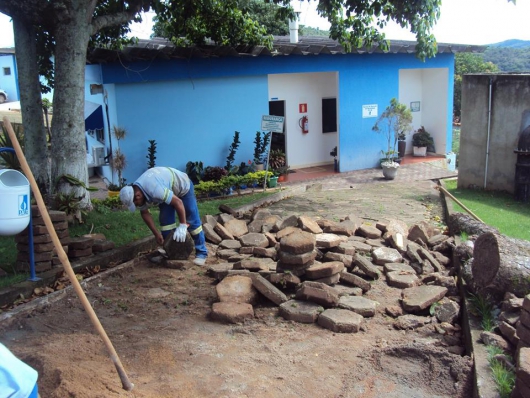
(9, 83)
(192, 108)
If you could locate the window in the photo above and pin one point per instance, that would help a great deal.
(7, 71)
(329, 115)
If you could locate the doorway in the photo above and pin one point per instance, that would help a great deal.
(277, 108)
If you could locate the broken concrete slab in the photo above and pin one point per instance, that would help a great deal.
(236, 227)
(402, 279)
(355, 280)
(178, 250)
(318, 293)
(327, 241)
(298, 243)
(300, 311)
(254, 239)
(268, 289)
(384, 255)
(230, 312)
(309, 225)
(237, 289)
(359, 305)
(340, 321)
(418, 298)
(410, 321)
(366, 266)
(322, 270)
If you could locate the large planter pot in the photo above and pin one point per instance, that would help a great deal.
(113, 194)
(282, 178)
(402, 146)
(272, 182)
(389, 172)
(420, 151)
(259, 166)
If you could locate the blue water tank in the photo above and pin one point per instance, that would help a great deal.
(14, 202)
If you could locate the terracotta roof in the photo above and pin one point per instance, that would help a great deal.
(159, 48)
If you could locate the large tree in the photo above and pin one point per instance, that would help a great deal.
(66, 28)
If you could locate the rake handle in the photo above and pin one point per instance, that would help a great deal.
(127, 385)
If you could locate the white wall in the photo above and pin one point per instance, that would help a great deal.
(429, 86)
(304, 150)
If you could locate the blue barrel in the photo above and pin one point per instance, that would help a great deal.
(14, 202)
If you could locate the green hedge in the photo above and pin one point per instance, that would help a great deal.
(207, 188)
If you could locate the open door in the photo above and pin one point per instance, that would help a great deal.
(277, 108)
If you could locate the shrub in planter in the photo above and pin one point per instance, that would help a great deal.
(214, 173)
(195, 171)
(276, 159)
(422, 138)
(207, 188)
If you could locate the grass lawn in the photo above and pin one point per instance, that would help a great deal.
(119, 226)
(497, 209)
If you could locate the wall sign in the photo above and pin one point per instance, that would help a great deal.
(369, 110)
(272, 123)
(415, 106)
(302, 108)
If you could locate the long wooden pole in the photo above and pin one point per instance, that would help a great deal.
(127, 385)
(445, 191)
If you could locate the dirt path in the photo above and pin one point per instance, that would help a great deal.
(158, 321)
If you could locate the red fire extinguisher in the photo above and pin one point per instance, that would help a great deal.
(304, 124)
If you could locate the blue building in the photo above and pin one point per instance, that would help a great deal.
(9, 74)
(192, 100)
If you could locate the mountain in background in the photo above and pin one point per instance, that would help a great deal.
(513, 43)
(509, 55)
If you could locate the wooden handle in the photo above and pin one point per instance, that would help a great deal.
(127, 385)
(445, 191)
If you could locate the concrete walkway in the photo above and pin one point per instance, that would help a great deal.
(407, 173)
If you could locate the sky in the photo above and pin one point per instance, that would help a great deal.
(477, 22)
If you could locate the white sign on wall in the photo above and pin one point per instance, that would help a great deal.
(369, 110)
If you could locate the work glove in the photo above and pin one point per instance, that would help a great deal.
(180, 233)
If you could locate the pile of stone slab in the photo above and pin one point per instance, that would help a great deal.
(318, 270)
(514, 338)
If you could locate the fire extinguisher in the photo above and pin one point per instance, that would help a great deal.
(304, 124)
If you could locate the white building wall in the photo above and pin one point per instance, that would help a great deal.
(313, 148)
(428, 87)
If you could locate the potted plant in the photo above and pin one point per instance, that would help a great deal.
(421, 139)
(281, 172)
(276, 159)
(261, 144)
(395, 119)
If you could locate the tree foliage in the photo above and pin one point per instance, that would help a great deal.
(468, 63)
(509, 59)
(67, 28)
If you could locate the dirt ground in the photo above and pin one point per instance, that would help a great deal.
(158, 321)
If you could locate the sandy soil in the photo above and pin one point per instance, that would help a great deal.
(158, 321)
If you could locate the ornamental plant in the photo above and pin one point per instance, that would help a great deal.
(261, 143)
(395, 120)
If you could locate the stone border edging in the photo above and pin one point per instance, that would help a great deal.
(483, 385)
(122, 254)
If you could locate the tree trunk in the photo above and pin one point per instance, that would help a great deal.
(35, 145)
(500, 265)
(459, 222)
(68, 130)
